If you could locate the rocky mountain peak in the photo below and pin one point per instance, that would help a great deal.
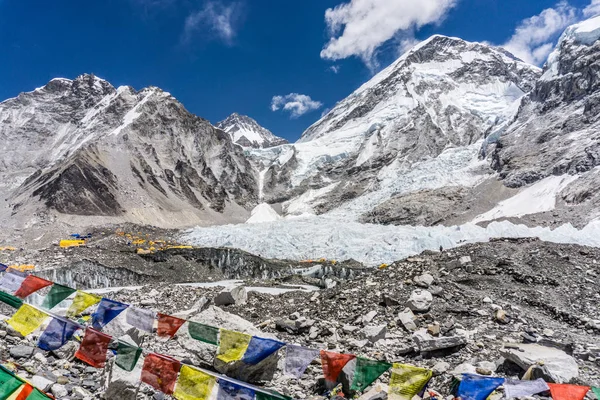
(246, 132)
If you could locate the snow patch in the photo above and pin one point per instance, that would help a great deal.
(537, 198)
(263, 213)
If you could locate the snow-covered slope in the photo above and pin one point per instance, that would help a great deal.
(82, 147)
(248, 133)
(444, 94)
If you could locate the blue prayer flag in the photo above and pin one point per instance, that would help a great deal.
(3, 267)
(260, 348)
(57, 334)
(107, 311)
(232, 391)
(477, 387)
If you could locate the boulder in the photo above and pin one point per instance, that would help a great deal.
(420, 300)
(238, 295)
(21, 351)
(561, 367)
(374, 333)
(407, 318)
(425, 342)
(424, 280)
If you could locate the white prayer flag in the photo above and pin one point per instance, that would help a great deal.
(516, 388)
(11, 282)
(141, 318)
(297, 359)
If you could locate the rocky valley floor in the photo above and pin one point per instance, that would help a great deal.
(497, 307)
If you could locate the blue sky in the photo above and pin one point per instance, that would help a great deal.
(281, 62)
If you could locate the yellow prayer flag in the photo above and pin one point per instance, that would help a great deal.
(407, 381)
(27, 319)
(193, 384)
(82, 302)
(232, 345)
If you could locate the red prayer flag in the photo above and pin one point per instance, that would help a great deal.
(25, 392)
(333, 363)
(93, 348)
(160, 372)
(30, 285)
(561, 391)
(168, 325)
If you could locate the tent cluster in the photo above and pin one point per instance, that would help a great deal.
(13, 387)
(187, 382)
(145, 245)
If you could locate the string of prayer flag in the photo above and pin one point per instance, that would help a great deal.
(297, 359)
(8, 383)
(333, 363)
(141, 318)
(515, 388)
(30, 285)
(82, 302)
(204, 333)
(259, 349)
(233, 391)
(127, 356)
(477, 387)
(11, 281)
(11, 300)
(194, 384)
(561, 391)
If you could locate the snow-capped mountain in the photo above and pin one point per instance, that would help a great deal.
(248, 133)
(83, 147)
(444, 95)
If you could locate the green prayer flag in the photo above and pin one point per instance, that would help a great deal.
(596, 391)
(8, 383)
(57, 294)
(204, 333)
(265, 396)
(37, 395)
(127, 356)
(366, 372)
(11, 300)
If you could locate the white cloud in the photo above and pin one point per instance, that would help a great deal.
(216, 18)
(294, 103)
(534, 38)
(359, 27)
(335, 69)
(592, 9)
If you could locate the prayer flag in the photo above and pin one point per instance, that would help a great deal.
(333, 363)
(407, 381)
(57, 294)
(160, 372)
(367, 371)
(127, 356)
(37, 395)
(107, 311)
(260, 348)
(30, 285)
(57, 333)
(516, 388)
(204, 333)
(22, 393)
(232, 345)
(233, 391)
(141, 318)
(560, 391)
(596, 391)
(11, 282)
(11, 300)
(194, 384)
(82, 302)
(168, 325)
(297, 359)
(477, 387)
(93, 348)
(267, 396)
(27, 319)
(9, 383)
(3, 267)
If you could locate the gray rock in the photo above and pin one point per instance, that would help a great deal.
(21, 351)
(424, 280)
(440, 368)
(425, 342)
(237, 295)
(561, 367)
(420, 300)
(464, 260)
(407, 318)
(41, 382)
(374, 333)
(60, 391)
